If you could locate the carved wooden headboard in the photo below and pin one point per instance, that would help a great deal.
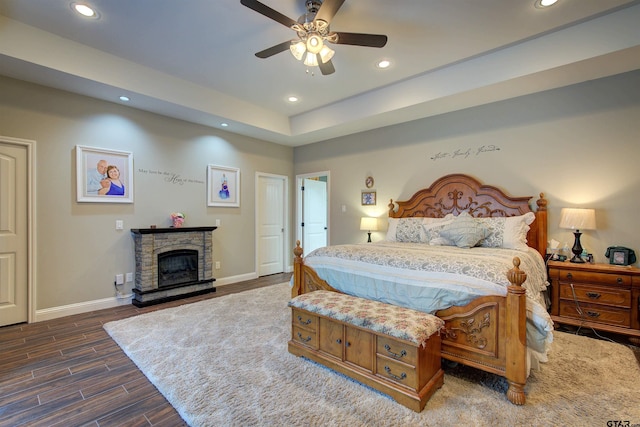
(461, 193)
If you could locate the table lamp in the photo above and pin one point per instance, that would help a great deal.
(369, 224)
(577, 219)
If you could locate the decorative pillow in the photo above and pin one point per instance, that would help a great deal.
(507, 232)
(432, 228)
(409, 230)
(465, 231)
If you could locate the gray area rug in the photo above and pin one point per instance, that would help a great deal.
(224, 361)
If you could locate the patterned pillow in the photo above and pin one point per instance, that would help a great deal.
(409, 230)
(465, 231)
(507, 232)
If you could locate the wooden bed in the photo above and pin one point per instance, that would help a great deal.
(490, 332)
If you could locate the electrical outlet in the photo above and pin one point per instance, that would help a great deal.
(119, 279)
(129, 277)
(217, 265)
(217, 223)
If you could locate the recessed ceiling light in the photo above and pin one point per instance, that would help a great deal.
(293, 99)
(125, 98)
(540, 4)
(224, 125)
(385, 63)
(84, 10)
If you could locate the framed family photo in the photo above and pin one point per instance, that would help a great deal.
(223, 186)
(104, 175)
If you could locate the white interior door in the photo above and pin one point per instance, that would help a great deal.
(270, 223)
(13, 233)
(314, 214)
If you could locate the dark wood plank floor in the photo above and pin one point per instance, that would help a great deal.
(69, 372)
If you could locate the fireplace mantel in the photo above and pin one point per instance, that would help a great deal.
(170, 230)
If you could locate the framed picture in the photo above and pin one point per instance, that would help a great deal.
(619, 257)
(223, 186)
(368, 198)
(104, 175)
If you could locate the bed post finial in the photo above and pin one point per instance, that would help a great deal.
(297, 251)
(515, 275)
(297, 270)
(391, 207)
(542, 203)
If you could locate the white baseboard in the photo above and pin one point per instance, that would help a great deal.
(81, 307)
(235, 279)
(84, 307)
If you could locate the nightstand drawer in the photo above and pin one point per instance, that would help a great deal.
(593, 277)
(596, 313)
(596, 294)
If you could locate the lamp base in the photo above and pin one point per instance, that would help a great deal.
(369, 240)
(577, 249)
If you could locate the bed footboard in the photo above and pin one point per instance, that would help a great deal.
(489, 333)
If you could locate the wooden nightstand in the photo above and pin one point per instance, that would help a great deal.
(599, 296)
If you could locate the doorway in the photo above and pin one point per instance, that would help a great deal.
(312, 210)
(271, 219)
(16, 230)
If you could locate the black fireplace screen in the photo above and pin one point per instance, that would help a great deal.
(177, 267)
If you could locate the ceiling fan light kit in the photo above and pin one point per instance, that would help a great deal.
(313, 33)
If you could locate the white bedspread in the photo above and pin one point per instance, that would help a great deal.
(431, 278)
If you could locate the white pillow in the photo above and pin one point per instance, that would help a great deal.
(507, 232)
(391, 230)
(465, 231)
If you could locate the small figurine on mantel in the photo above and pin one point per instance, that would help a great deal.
(177, 219)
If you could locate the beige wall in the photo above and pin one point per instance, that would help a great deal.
(579, 145)
(78, 249)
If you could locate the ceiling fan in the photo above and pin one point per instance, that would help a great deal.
(313, 33)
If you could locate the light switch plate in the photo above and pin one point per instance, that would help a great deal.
(119, 224)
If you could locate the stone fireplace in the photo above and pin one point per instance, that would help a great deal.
(172, 263)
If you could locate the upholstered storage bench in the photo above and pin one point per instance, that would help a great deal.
(392, 349)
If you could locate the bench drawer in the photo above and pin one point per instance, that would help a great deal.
(397, 372)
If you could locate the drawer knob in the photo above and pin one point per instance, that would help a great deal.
(303, 322)
(303, 339)
(569, 276)
(593, 314)
(339, 341)
(347, 344)
(395, 377)
(593, 295)
(396, 355)
(619, 280)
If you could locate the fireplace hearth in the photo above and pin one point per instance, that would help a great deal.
(172, 263)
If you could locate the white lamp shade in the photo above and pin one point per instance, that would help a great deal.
(311, 60)
(578, 219)
(298, 48)
(326, 54)
(369, 224)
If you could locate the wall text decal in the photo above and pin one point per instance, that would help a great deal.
(463, 154)
(170, 177)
